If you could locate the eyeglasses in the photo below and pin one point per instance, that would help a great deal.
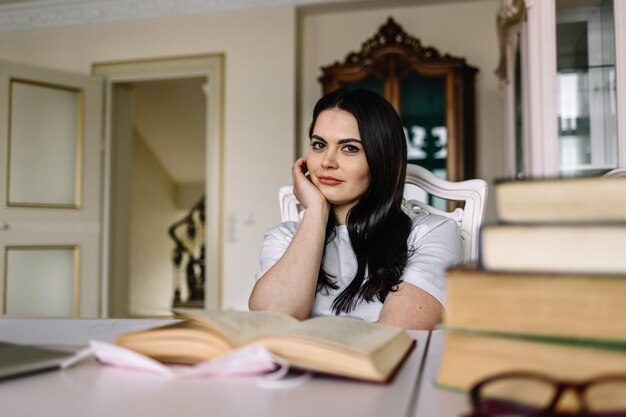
(529, 394)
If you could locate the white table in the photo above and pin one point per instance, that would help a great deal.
(432, 400)
(90, 389)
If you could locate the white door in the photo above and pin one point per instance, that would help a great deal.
(50, 187)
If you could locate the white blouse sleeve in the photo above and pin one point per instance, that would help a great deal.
(275, 243)
(435, 242)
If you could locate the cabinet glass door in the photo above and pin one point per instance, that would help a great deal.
(586, 88)
(423, 114)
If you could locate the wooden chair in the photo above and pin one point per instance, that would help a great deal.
(473, 193)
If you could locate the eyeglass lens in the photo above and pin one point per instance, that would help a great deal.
(526, 396)
(515, 396)
(607, 398)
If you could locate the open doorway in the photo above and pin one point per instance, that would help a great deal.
(159, 148)
(162, 157)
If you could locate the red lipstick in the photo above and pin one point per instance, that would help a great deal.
(329, 180)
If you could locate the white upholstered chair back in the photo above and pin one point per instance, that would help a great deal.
(473, 193)
(617, 172)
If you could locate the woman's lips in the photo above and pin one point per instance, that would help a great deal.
(329, 180)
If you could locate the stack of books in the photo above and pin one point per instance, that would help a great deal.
(549, 293)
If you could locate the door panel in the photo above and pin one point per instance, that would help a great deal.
(42, 280)
(44, 132)
(50, 186)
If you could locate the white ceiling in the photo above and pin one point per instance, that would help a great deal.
(16, 15)
(35, 14)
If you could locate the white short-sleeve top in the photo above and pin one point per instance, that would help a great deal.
(435, 242)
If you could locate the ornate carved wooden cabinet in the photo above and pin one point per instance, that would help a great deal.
(432, 92)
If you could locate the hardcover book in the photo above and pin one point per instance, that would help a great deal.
(575, 248)
(587, 306)
(469, 357)
(587, 199)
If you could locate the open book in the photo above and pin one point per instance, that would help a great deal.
(333, 345)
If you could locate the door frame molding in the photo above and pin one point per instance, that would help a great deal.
(210, 66)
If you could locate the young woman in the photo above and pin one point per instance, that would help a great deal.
(356, 252)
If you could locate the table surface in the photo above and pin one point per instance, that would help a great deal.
(90, 389)
(431, 399)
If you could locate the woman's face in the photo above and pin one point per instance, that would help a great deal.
(336, 160)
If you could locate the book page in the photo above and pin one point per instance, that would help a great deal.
(347, 333)
(238, 326)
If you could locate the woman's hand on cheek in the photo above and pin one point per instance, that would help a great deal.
(305, 191)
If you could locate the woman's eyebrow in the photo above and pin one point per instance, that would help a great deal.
(340, 141)
(348, 140)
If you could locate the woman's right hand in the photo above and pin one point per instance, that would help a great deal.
(289, 286)
(303, 188)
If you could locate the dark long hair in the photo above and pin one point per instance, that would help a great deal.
(377, 226)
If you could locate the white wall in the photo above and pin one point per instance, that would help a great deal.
(461, 29)
(259, 116)
(171, 116)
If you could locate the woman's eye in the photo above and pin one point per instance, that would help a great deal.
(317, 145)
(351, 149)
